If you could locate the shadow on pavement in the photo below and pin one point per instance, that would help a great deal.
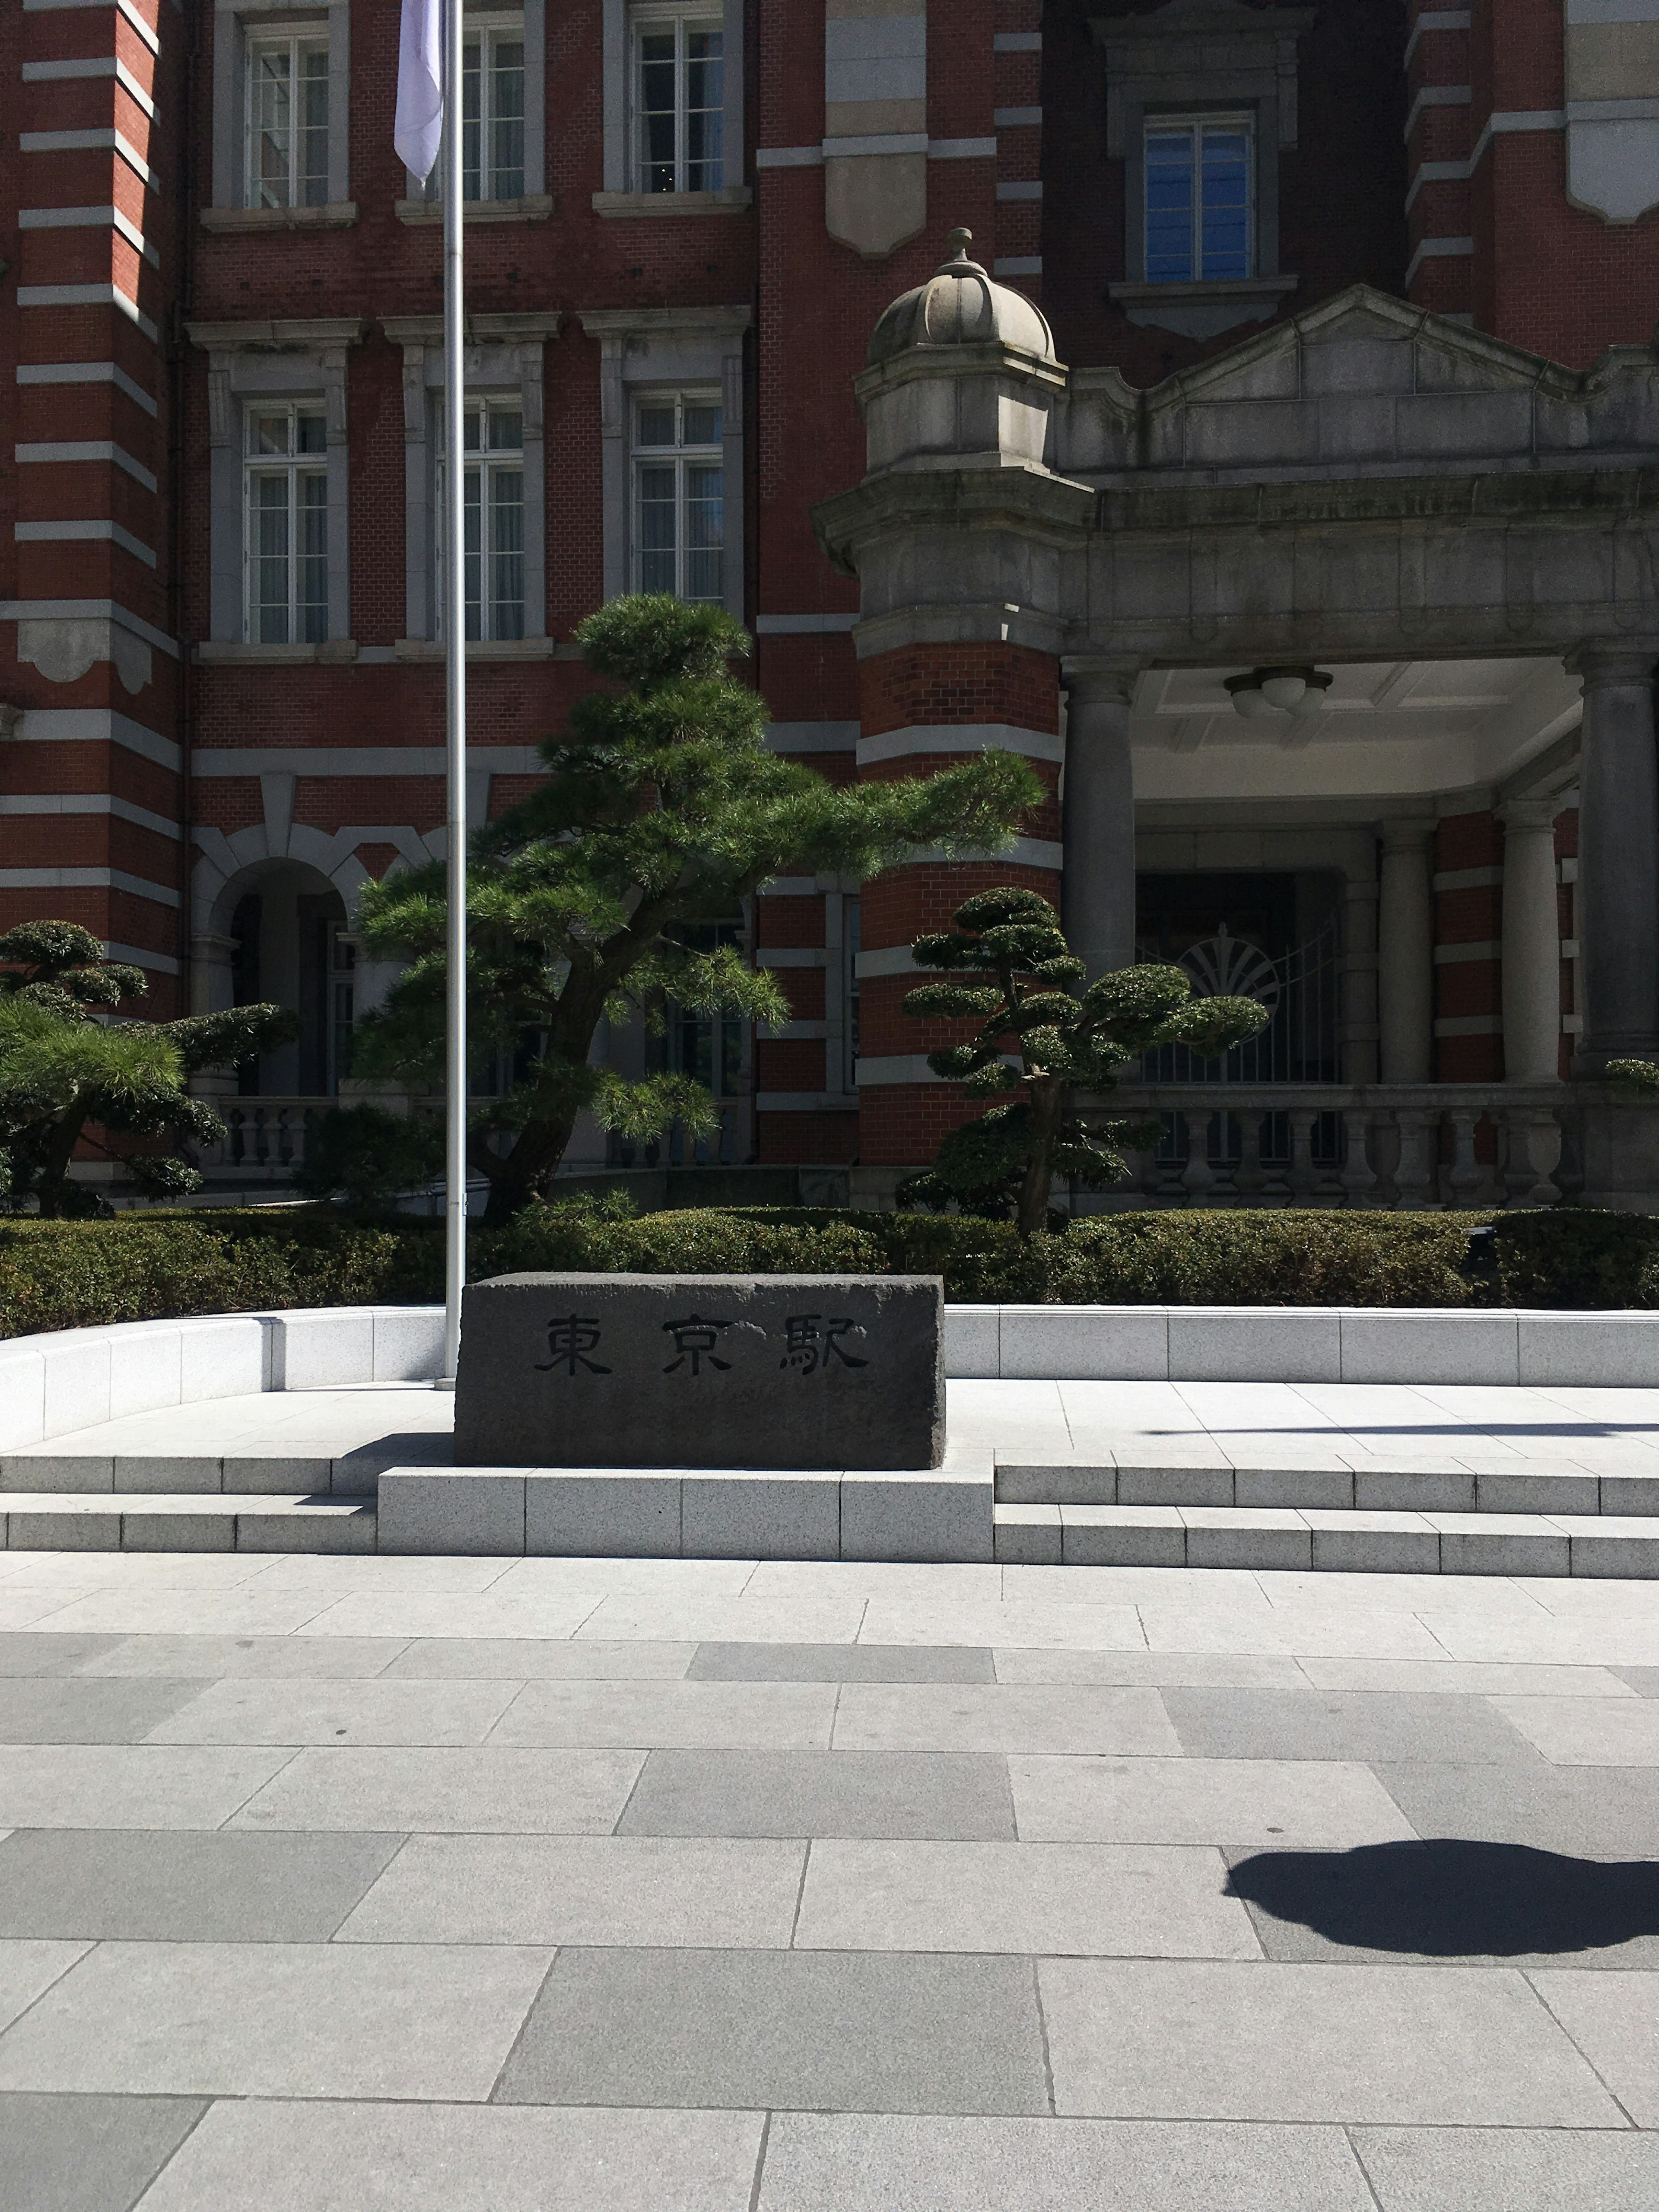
(1445, 1897)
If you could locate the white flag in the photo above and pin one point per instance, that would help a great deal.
(419, 123)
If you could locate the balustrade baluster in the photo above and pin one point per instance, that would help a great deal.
(1249, 1177)
(1466, 1176)
(1304, 1177)
(1417, 1174)
(1533, 1153)
(1198, 1177)
(1358, 1177)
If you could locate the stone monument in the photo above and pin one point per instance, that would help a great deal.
(782, 1372)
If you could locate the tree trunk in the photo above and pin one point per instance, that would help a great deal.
(51, 1184)
(1046, 1101)
(527, 1170)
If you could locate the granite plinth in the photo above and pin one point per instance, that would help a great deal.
(780, 1371)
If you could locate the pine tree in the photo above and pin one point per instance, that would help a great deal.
(66, 1066)
(662, 810)
(1063, 1044)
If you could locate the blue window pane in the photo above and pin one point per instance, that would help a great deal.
(1170, 207)
(1226, 206)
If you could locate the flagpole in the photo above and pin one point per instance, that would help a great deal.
(454, 625)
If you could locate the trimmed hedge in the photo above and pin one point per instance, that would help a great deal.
(74, 1274)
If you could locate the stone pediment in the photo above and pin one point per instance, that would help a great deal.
(1363, 383)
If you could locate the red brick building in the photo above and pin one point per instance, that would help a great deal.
(220, 695)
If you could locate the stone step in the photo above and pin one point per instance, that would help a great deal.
(189, 1521)
(1338, 1541)
(1325, 1484)
(743, 1513)
(232, 1474)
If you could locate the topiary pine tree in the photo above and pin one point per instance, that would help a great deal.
(1007, 1160)
(663, 809)
(63, 1067)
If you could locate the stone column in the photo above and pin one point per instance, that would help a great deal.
(1532, 942)
(1617, 858)
(1405, 951)
(1097, 894)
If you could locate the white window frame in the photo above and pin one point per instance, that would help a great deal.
(498, 621)
(1239, 124)
(297, 43)
(483, 31)
(292, 469)
(621, 193)
(682, 457)
(656, 17)
(239, 27)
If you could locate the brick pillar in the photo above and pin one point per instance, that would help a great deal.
(924, 707)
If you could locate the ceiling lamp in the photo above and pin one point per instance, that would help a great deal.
(1269, 692)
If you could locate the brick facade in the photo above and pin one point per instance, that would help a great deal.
(1430, 163)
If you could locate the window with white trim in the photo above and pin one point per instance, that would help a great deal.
(1199, 212)
(285, 543)
(676, 99)
(493, 432)
(492, 112)
(679, 506)
(286, 119)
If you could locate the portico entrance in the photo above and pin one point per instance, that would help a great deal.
(1368, 600)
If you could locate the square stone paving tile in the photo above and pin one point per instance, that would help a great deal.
(55, 1710)
(1003, 1717)
(1076, 1899)
(1645, 1680)
(151, 1885)
(23, 1652)
(1030, 1624)
(713, 1716)
(27, 1967)
(143, 1610)
(366, 1713)
(255, 2156)
(817, 2031)
(1588, 1731)
(324, 1657)
(583, 1889)
(1614, 2021)
(1596, 1813)
(943, 1794)
(1354, 1632)
(87, 2154)
(537, 1659)
(842, 1662)
(1170, 2038)
(662, 1615)
(73, 1785)
(468, 1790)
(1502, 2170)
(1308, 1725)
(1314, 1805)
(847, 2163)
(277, 2019)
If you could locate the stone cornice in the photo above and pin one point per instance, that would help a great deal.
(1025, 501)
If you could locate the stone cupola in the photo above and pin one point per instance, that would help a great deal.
(960, 371)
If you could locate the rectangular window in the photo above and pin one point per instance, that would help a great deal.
(1199, 201)
(286, 545)
(492, 114)
(677, 101)
(708, 1047)
(288, 120)
(679, 508)
(493, 518)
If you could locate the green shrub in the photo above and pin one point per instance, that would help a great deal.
(74, 1274)
(1578, 1258)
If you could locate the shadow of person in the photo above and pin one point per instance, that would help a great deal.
(1445, 1897)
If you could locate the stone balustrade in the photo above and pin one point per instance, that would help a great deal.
(1406, 1146)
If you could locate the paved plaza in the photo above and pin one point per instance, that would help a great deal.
(382, 1885)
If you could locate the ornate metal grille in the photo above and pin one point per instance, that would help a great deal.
(1301, 988)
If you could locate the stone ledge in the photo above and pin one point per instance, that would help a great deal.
(731, 199)
(337, 215)
(534, 207)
